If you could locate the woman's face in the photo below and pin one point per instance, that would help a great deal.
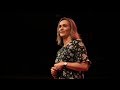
(64, 28)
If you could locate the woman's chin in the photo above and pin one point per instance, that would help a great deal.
(62, 35)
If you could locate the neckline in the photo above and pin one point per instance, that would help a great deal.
(68, 44)
(71, 42)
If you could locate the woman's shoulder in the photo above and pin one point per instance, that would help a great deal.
(77, 40)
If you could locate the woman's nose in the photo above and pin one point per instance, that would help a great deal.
(60, 29)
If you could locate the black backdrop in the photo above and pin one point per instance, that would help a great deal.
(28, 39)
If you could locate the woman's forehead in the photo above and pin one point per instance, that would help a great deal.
(64, 22)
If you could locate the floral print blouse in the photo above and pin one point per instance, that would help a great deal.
(75, 51)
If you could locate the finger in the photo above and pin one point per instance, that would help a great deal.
(54, 68)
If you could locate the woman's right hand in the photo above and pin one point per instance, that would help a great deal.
(54, 71)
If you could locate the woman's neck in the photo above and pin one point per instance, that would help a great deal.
(66, 41)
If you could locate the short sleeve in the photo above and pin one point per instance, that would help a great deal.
(81, 52)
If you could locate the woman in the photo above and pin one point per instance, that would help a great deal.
(72, 60)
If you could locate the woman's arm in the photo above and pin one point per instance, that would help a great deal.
(83, 66)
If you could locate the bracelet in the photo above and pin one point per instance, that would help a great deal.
(65, 64)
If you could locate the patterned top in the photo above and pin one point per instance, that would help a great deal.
(75, 51)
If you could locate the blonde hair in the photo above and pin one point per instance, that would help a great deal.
(73, 33)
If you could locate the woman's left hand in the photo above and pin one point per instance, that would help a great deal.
(59, 65)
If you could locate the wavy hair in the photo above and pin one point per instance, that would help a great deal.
(73, 33)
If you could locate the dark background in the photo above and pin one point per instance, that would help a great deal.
(28, 40)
